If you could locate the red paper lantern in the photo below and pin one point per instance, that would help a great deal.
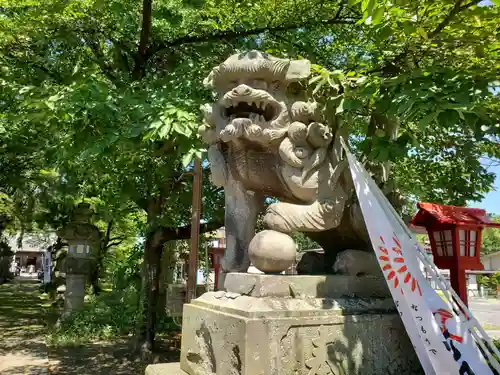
(455, 236)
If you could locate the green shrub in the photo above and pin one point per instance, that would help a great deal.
(6, 255)
(491, 282)
(104, 317)
(126, 271)
(113, 313)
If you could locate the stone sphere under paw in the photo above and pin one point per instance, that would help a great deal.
(271, 251)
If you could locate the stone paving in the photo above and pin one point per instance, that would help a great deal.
(22, 345)
(487, 312)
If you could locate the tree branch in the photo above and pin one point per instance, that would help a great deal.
(115, 243)
(339, 11)
(296, 45)
(125, 53)
(108, 230)
(391, 66)
(142, 53)
(184, 233)
(118, 238)
(55, 77)
(456, 9)
(100, 59)
(232, 34)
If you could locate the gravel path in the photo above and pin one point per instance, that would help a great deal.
(23, 349)
(487, 312)
(22, 345)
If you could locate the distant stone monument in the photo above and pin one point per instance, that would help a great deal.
(266, 140)
(82, 237)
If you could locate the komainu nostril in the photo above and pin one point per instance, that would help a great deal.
(242, 90)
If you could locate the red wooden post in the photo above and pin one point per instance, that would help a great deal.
(216, 254)
(216, 271)
(195, 232)
(458, 280)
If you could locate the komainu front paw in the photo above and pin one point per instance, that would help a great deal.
(229, 133)
(316, 217)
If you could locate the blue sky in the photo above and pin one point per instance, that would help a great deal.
(491, 201)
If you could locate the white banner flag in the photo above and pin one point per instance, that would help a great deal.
(443, 343)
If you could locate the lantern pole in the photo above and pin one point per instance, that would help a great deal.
(195, 231)
(458, 280)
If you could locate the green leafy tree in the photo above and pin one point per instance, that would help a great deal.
(491, 239)
(106, 94)
(5, 211)
(6, 255)
(418, 97)
(491, 282)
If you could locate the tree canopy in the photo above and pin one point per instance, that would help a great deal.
(491, 239)
(116, 85)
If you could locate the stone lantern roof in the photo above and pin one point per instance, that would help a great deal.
(80, 227)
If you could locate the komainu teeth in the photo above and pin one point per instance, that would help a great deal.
(262, 119)
(262, 105)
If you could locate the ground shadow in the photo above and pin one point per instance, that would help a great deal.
(363, 343)
(22, 329)
(110, 358)
(25, 322)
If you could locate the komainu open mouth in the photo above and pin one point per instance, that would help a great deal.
(258, 111)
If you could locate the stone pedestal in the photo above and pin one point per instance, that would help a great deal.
(75, 292)
(296, 325)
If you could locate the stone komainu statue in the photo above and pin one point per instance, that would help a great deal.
(265, 141)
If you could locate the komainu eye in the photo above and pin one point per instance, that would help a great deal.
(259, 84)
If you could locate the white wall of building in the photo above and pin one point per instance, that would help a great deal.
(202, 279)
(491, 262)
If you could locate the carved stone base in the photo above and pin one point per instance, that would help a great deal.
(226, 333)
(74, 295)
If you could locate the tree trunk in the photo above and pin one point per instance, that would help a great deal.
(167, 272)
(94, 279)
(150, 287)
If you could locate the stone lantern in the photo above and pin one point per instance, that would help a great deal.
(455, 237)
(82, 238)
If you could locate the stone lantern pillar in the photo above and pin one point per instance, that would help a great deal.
(82, 238)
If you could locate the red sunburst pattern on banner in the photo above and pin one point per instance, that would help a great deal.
(395, 265)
